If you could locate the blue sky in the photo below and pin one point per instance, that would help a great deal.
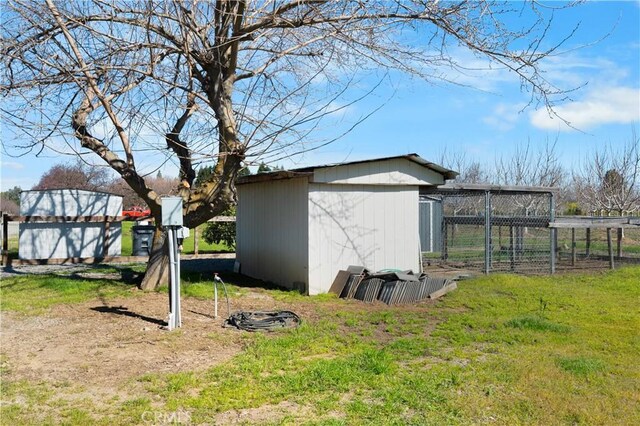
(485, 117)
(487, 120)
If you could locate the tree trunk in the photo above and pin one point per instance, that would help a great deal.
(158, 265)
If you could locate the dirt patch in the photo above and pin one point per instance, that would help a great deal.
(98, 350)
(103, 347)
(266, 413)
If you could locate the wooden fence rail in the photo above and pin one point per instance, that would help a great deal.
(590, 223)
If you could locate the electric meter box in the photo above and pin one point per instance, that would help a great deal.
(171, 211)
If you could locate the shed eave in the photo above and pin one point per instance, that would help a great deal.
(279, 175)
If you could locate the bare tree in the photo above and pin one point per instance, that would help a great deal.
(76, 176)
(469, 171)
(7, 205)
(608, 181)
(162, 186)
(529, 167)
(233, 81)
(129, 197)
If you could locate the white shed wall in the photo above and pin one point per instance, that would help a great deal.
(40, 240)
(371, 226)
(69, 202)
(397, 171)
(66, 240)
(272, 231)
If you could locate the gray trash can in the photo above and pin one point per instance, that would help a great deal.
(142, 239)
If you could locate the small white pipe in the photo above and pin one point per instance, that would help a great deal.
(216, 280)
(215, 297)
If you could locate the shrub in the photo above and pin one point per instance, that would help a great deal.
(221, 232)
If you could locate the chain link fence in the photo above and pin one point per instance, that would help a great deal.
(489, 231)
(497, 229)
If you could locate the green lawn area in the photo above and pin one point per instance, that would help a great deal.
(188, 245)
(127, 242)
(501, 349)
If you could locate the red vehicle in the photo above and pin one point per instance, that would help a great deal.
(136, 212)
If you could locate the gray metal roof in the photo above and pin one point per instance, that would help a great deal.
(595, 222)
(71, 189)
(478, 187)
(307, 171)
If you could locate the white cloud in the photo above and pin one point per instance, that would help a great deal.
(612, 105)
(571, 70)
(12, 165)
(476, 72)
(504, 116)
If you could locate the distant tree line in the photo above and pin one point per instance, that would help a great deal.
(92, 178)
(80, 175)
(606, 183)
(10, 200)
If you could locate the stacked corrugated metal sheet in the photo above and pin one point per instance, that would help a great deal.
(369, 289)
(390, 287)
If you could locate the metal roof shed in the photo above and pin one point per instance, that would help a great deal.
(66, 237)
(297, 228)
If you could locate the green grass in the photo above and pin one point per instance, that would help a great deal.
(630, 242)
(513, 349)
(600, 247)
(34, 294)
(466, 244)
(537, 323)
(188, 244)
(203, 246)
(127, 242)
(501, 349)
(199, 285)
(12, 246)
(581, 366)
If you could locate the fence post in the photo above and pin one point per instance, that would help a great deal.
(573, 246)
(5, 233)
(512, 249)
(610, 246)
(619, 243)
(445, 248)
(5, 240)
(553, 235)
(195, 241)
(588, 249)
(487, 232)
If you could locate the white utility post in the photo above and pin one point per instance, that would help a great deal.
(172, 222)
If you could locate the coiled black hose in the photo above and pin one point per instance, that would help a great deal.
(263, 321)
